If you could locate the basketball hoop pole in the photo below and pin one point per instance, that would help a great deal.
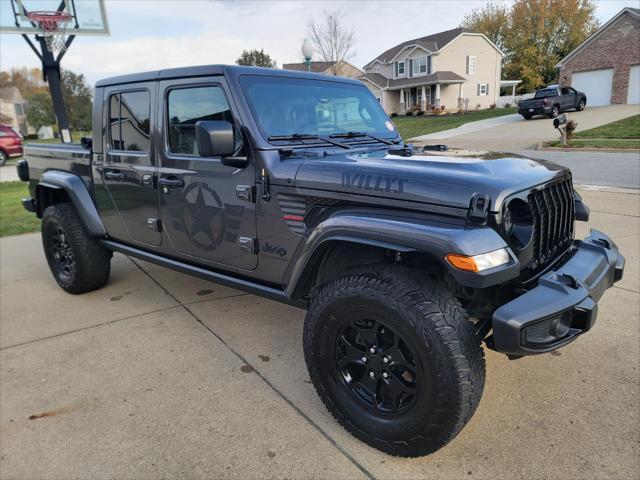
(51, 74)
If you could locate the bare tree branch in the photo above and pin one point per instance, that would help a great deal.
(332, 39)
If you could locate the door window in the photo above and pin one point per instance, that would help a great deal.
(129, 114)
(185, 107)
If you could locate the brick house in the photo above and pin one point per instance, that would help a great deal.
(606, 66)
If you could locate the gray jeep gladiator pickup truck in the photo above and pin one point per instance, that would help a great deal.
(298, 187)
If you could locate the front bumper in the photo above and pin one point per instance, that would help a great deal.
(534, 110)
(563, 305)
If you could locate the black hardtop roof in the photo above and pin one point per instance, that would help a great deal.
(227, 70)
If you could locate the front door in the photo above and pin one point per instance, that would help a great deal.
(128, 168)
(207, 209)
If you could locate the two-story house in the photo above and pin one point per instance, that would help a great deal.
(13, 109)
(456, 69)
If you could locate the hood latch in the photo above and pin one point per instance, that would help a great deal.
(479, 207)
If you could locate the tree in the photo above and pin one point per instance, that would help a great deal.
(534, 35)
(76, 92)
(77, 96)
(332, 39)
(256, 58)
(493, 20)
(40, 110)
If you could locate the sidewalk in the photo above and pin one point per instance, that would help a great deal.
(163, 375)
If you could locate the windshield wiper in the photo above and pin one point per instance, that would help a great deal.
(361, 134)
(307, 136)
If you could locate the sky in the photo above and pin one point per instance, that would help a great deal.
(154, 34)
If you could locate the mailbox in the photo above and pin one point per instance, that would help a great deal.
(560, 121)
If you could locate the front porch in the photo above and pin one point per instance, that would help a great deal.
(426, 97)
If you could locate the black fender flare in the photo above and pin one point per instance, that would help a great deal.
(77, 191)
(402, 233)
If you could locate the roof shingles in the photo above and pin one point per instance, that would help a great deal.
(432, 43)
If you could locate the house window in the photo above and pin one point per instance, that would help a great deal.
(420, 65)
(378, 99)
(400, 68)
(471, 64)
(483, 89)
(19, 109)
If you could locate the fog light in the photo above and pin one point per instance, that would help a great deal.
(562, 325)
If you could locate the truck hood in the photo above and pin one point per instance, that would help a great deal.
(426, 179)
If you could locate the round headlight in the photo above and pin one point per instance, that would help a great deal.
(518, 223)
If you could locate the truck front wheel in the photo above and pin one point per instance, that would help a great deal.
(394, 358)
(77, 261)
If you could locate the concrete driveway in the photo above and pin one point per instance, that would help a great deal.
(162, 375)
(515, 133)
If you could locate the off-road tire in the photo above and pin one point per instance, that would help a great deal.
(91, 261)
(527, 116)
(432, 322)
(3, 158)
(555, 111)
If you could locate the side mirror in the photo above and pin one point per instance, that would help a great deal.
(87, 143)
(215, 138)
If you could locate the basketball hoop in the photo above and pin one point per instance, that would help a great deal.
(53, 27)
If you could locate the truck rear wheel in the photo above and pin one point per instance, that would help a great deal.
(77, 261)
(394, 358)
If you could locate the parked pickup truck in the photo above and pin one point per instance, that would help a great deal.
(297, 187)
(551, 101)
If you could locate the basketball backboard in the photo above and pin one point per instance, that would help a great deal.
(88, 16)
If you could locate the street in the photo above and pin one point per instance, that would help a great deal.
(163, 375)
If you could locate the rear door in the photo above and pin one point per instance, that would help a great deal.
(207, 209)
(569, 98)
(128, 167)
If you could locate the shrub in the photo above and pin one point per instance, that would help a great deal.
(570, 128)
(409, 113)
(492, 106)
(507, 105)
(420, 113)
(394, 114)
(478, 106)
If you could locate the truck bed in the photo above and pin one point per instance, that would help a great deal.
(71, 157)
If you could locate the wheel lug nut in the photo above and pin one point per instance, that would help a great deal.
(364, 359)
(372, 374)
(385, 359)
(372, 349)
(385, 375)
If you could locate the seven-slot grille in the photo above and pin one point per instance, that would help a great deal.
(553, 213)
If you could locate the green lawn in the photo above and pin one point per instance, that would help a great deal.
(623, 134)
(410, 127)
(626, 128)
(14, 219)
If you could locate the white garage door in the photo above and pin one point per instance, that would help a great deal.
(596, 84)
(633, 95)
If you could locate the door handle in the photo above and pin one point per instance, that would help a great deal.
(114, 175)
(171, 182)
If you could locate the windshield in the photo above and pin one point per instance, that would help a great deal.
(287, 106)
(551, 92)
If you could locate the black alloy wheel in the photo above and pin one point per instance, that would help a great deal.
(377, 367)
(64, 262)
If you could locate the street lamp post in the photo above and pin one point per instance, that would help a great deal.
(307, 52)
